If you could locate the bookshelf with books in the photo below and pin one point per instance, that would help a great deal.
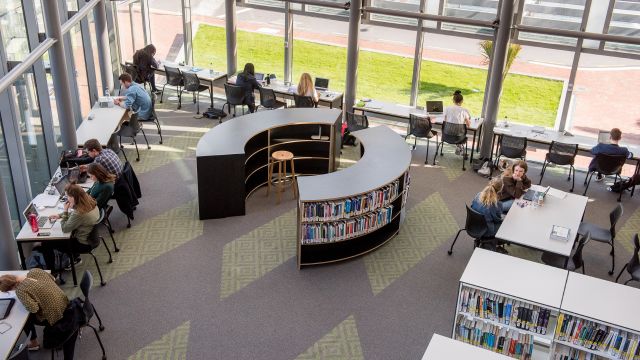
(353, 211)
(444, 348)
(501, 307)
(233, 157)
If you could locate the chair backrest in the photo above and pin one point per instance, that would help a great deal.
(114, 143)
(476, 224)
(513, 146)
(85, 286)
(610, 164)
(634, 263)
(132, 70)
(304, 101)
(614, 216)
(94, 237)
(234, 93)
(267, 97)
(174, 76)
(577, 259)
(191, 81)
(22, 352)
(561, 153)
(419, 126)
(356, 122)
(454, 133)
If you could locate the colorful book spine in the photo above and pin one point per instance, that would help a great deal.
(492, 337)
(328, 232)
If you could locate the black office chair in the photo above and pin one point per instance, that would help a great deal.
(115, 146)
(131, 130)
(104, 221)
(132, 70)
(356, 122)
(575, 261)
(561, 154)
(174, 78)
(607, 165)
(21, 351)
(235, 97)
(453, 134)
(633, 266)
(421, 127)
(154, 116)
(476, 227)
(512, 147)
(604, 235)
(304, 101)
(192, 84)
(268, 99)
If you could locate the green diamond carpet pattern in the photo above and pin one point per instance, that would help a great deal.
(174, 147)
(628, 230)
(450, 163)
(172, 346)
(341, 343)
(254, 254)
(426, 227)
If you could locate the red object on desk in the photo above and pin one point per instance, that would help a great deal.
(33, 221)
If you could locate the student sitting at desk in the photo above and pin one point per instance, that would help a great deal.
(457, 114)
(306, 88)
(41, 296)
(103, 184)
(516, 184)
(609, 149)
(136, 99)
(486, 203)
(247, 80)
(105, 157)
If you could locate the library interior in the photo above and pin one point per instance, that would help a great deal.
(319, 179)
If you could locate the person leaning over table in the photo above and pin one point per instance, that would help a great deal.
(103, 184)
(306, 88)
(609, 149)
(486, 203)
(136, 98)
(105, 157)
(41, 296)
(516, 183)
(144, 60)
(247, 80)
(456, 114)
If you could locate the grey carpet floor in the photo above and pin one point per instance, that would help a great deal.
(229, 288)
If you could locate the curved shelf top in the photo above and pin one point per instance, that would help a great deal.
(386, 157)
(230, 137)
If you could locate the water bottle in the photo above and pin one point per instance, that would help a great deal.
(106, 92)
(540, 199)
(33, 221)
(268, 79)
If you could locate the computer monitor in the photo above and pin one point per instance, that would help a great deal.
(435, 107)
(321, 83)
(259, 76)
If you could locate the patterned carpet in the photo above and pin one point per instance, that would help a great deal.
(181, 288)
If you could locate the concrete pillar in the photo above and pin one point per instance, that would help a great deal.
(288, 42)
(104, 54)
(353, 48)
(8, 247)
(230, 24)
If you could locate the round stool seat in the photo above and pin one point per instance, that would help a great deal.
(282, 155)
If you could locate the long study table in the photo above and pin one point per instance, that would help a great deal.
(208, 77)
(103, 123)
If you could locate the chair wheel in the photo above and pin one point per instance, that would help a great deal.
(103, 283)
(101, 328)
(148, 147)
(110, 261)
(128, 225)
(160, 142)
(104, 357)
(449, 252)
(610, 273)
(138, 159)
(117, 250)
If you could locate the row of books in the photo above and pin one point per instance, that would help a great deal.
(505, 341)
(594, 336)
(345, 229)
(504, 310)
(353, 206)
(567, 353)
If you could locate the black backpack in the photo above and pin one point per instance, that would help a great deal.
(73, 317)
(348, 139)
(623, 185)
(213, 113)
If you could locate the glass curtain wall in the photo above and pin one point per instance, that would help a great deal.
(129, 18)
(167, 32)
(80, 70)
(7, 181)
(94, 48)
(260, 40)
(13, 30)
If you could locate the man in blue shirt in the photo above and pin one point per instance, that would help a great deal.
(609, 149)
(137, 98)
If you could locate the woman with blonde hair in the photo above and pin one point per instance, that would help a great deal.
(486, 203)
(306, 88)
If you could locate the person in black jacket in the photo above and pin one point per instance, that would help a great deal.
(247, 80)
(147, 64)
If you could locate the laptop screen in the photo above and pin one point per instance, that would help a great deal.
(321, 83)
(31, 209)
(435, 107)
(62, 184)
(604, 137)
(259, 76)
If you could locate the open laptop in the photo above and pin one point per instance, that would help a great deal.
(62, 184)
(531, 194)
(259, 76)
(43, 221)
(435, 107)
(321, 84)
(604, 137)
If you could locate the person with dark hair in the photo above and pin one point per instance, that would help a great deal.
(457, 114)
(136, 99)
(105, 157)
(103, 184)
(515, 184)
(247, 80)
(609, 149)
(147, 64)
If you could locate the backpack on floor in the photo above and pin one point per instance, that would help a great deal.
(348, 139)
(623, 185)
(213, 113)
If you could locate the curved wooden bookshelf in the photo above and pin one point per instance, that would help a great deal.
(232, 157)
(384, 165)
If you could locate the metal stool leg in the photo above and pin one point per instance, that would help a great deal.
(294, 183)
(269, 175)
(280, 185)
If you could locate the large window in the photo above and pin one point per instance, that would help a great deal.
(166, 30)
(80, 70)
(129, 17)
(261, 41)
(7, 181)
(625, 20)
(552, 14)
(96, 55)
(13, 30)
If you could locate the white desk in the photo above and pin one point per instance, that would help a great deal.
(16, 319)
(444, 348)
(105, 122)
(206, 76)
(325, 97)
(530, 226)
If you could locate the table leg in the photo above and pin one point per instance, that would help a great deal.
(473, 147)
(493, 141)
(22, 259)
(479, 135)
(211, 92)
(73, 265)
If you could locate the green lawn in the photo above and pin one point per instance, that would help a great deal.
(384, 77)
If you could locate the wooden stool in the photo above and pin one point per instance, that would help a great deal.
(280, 158)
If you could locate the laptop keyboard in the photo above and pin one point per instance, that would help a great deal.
(42, 220)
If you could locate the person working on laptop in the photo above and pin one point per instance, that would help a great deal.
(41, 296)
(609, 149)
(457, 114)
(103, 184)
(136, 98)
(486, 203)
(515, 185)
(306, 88)
(247, 80)
(105, 157)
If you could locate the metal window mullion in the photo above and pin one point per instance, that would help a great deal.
(71, 64)
(417, 58)
(114, 41)
(186, 32)
(440, 12)
(288, 43)
(89, 63)
(146, 21)
(607, 22)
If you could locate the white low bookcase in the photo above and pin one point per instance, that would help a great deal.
(444, 348)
